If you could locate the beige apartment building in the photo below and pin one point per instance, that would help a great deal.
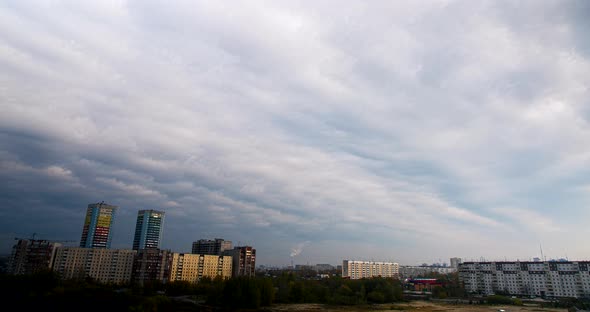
(354, 269)
(191, 267)
(105, 265)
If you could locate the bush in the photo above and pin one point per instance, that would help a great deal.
(497, 299)
(376, 297)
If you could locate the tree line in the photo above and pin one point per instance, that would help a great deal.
(45, 290)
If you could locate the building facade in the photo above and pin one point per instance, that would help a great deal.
(549, 279)
(211, 247)
(410, 271)
(97, 230)
(244, 261)
(192, 268)
(354, 269)
(148, 229)
(104, 265)
(31, 255)
(422, 284)
(455, 262)
(152, 265)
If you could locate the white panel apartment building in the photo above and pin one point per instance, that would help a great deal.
(545, 279)
(105, 265)
(354, 269)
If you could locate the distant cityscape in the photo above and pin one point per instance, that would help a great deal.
(146, 261)
(218, 258)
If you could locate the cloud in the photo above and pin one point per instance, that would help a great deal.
(400, 127)
(530, 219)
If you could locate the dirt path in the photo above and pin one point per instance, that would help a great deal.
(413, 306)
(424, 306)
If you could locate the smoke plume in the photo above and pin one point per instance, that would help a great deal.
(298, 248)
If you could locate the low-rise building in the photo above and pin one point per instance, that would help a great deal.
(422, 284)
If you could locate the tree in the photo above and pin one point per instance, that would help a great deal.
(267, 291)
(439, 292)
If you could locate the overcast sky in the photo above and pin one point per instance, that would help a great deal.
(315, 131)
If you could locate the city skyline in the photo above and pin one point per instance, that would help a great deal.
(404, 131)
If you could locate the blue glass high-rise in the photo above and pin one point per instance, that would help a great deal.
(148, 229)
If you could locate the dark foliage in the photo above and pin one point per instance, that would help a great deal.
(45, 291)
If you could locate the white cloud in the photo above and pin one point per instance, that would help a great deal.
(131, 190)
(533, 221)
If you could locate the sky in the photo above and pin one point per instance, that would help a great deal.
(314, 131)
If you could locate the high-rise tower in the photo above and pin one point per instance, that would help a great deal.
(97, 231)
(148, 229)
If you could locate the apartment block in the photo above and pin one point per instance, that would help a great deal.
(410, 271)
(31, 255)
(550, 279)
(211, 246)
(105, 265)
(192, 268)
(354, 269)
(152, 265)
(244, 261)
